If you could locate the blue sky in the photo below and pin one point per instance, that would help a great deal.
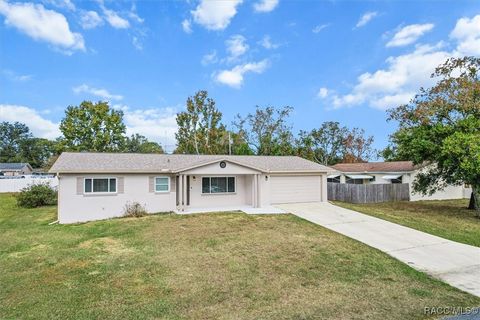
(346, 61)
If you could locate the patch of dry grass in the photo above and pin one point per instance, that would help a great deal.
(448, 219)
(211, 266)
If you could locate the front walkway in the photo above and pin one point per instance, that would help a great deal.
(454, 263)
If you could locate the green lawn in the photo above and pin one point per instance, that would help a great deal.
(210, 266)
(449, 219)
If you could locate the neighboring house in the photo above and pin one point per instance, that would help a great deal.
(96, 186)
(391, 172)
(15, 169)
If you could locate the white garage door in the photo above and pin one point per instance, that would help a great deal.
(289, 189)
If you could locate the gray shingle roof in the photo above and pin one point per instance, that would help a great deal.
(13, 166)
(70, 162)
(392, 166)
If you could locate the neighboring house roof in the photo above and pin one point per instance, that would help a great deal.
(392, 166)
(14, 166)
(88, 162)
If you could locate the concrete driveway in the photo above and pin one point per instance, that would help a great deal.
(454, 263)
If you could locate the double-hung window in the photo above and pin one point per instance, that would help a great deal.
(162, 184)
(218, 184)
(100, 185)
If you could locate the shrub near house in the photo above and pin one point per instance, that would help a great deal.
(37, 195)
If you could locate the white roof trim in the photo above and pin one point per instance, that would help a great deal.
(331, 176)
(359, 176)
(392, 176)
(218, 161)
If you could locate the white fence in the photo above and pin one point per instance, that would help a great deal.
(15, 185)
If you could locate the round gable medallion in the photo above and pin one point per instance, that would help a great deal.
(223, 164)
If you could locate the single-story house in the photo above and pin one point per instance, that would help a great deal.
(15, 169)
(95, 186)
(391, 172)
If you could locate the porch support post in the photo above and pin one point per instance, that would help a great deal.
(184, 192)
(255, 191)
(259, 190)
(180, 192)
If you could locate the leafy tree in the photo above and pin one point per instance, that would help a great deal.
(325, 145)
(266, 131)
(358, 147)
(200, 130)
(37, 151)
(440, 127)
(92, 127)
(17, 144)
(137, 143)
(239, 145)
(12, 137)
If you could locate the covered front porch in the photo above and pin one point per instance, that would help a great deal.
(210, 192)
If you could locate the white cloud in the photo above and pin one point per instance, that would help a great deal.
(235, 77)
(132, 14)
(17, 77)
(115, 20)
(398, 82)
(267, 43)
(137, 43)
(90, 20)
(187, 26)
(102, 93)
(409, 34)
(215, 14)
(467, 33)
(63, 4)
(236, 46)
(157, 124)
(209, 58)
(320, 27)
(42, 24)
(367, 16)
(39, 126)
(322, 93)
(265, 5)
(405, 74)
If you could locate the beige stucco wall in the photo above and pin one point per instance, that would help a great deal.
(73, 207)
(240, 197)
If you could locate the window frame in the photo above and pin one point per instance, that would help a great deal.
(155, 184)
(100, 192)
(226, 185)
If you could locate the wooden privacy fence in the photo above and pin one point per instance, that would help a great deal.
(368, 193)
